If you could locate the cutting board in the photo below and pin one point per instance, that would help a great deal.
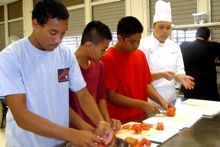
(155, 136)
(204, 107)
(179, 121)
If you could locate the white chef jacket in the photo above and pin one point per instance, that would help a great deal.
(161, 57)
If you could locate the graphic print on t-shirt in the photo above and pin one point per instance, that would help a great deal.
(63, 75)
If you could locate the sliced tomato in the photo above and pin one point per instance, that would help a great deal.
(146, 142)
(127, 127)
(138, 144)
(160, 126)
(145, 127)
(131, 141)
(137, 129)
(135, 126)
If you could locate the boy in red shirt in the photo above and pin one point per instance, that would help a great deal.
(95, 40)
(128, 78)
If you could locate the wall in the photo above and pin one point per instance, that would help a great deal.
(137, 8)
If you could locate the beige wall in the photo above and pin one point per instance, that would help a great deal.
(137, 8)
(27, 9)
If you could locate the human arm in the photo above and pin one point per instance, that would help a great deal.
(115, 124)
(155, 96)
(167, 74)
(181, 77)
(79, 123)
(32, 122)
(127, 102)
(186, 81)
(90, 108)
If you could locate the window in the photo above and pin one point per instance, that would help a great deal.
(14, 22)
(106, 12)
(183, 35)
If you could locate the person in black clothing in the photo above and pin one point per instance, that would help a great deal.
(199, 60)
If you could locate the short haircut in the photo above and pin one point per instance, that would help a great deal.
(96, 32)
(128, 26)
(203, 32)
(49, 9)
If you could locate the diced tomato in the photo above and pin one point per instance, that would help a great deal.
(145, 128)
(144, 125)
(146, 142)
(127, 127)
(131, 141)
(160, 126)
(147, 125)
(135, 125)
(138, 144)
(137, 129)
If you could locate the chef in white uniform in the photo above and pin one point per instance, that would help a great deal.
(164, 56)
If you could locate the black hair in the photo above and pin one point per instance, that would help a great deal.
(128, 26)
(49, 9)
(203, 32)
(96, 32)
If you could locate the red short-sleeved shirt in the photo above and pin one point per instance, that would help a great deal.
(95, 80)
(127, 74)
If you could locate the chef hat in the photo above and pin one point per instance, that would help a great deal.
(162, 11)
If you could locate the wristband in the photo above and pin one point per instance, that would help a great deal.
(102, 122)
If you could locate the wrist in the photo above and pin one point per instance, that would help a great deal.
(102, 122)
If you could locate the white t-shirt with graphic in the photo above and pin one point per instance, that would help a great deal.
(45, 77)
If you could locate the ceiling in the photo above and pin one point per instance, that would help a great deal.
(3, 2)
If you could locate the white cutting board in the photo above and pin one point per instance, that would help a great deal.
(203, 107)
(156, 136)
(179, 121)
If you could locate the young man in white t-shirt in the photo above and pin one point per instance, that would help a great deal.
(36, 73)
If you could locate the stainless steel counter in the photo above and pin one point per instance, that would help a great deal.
(204, 133)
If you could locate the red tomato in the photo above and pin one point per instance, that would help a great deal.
(146, 142)
(147, 125)
(171, 111)
(145, 128)
(138, 144)
(131, 141)
(137, 129)
(135, 125)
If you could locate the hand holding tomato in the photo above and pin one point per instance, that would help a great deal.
(115, 124)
